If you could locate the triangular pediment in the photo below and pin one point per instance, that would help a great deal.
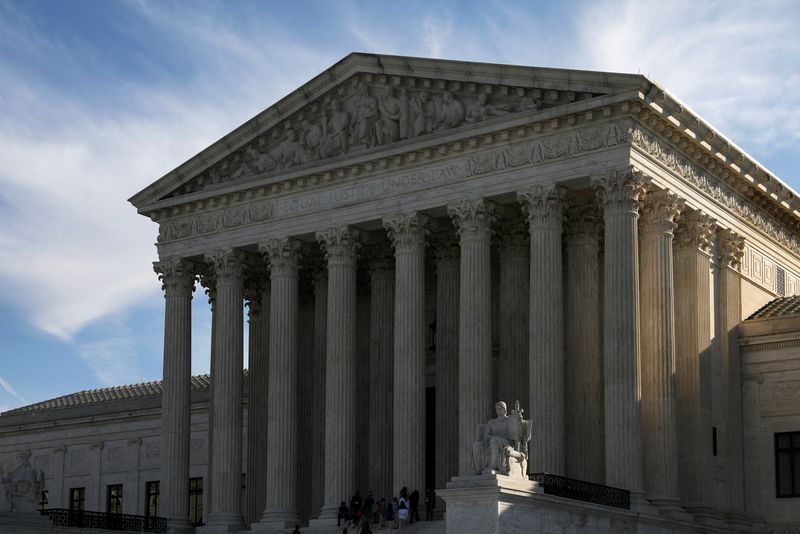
(370, 102)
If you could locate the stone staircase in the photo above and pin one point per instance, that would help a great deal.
(420, 527)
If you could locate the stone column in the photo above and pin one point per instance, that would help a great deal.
(585, 456)
(544, 208)
(209, 281)
(473, 219)
(282, 442)
(619, 193)
(730, 249)
(317, 422)
(407, 233)
(693, 358)
(257, 298)
(340, 244)
(447, 317)
(381, 371)
(512, 366)
(659, 438)
(307, 478)
(226, 472)
(177, 279)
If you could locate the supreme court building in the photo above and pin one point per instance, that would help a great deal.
(410, 240)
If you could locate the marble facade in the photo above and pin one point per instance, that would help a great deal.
(579, 241)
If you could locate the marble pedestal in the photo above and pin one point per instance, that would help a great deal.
(498, 504)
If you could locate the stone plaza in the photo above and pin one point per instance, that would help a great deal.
(409, 241)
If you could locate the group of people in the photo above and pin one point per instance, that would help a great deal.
(395, 514)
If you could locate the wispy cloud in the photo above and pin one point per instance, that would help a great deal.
(11, 391)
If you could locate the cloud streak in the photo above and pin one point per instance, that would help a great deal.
(10, 390)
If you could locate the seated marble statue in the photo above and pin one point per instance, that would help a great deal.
(502, 445)
(22, 487)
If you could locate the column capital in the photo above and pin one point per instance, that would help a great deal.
(730, 248)
(283, 255)
(339, 243)
(543, 205)
(695, 230)
(176, 275)
(473, 218)
(660, 212)
(446, 250)
(584, 220)
(513, 237)
(380, 259)
(256, 275)
(407, 232)
(621, 190)
(209, 281)
(227, 265)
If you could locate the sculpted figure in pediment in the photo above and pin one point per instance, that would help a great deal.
(255, 162)
(311, 138)
(365, 115)
(335, 131)
(450, 112)
(424, 110)
(290, 152)
(529, 104)
(22, 486)
(481, 110)
(394, 111)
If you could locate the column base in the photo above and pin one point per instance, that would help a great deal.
(671, 508)
(222, 522)
(641, 505)
(327, 517)
(179, 526)
(272, 521)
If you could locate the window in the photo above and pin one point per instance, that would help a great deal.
(714, 440)
(77, 499)
(152, 498)
(43, 501)
(114, 499)
(196, 501)
(787, 464)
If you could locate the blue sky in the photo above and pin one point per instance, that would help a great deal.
(100, 98)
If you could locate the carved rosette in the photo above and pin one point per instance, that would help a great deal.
(177, 277)
(730, 249)
(695, 230)
(660, 212)
(584, 221)
(473, 219)
(621, 190)
(283, 255)
(513, 237)
(543, 205)
(407, 232)
(340, 244)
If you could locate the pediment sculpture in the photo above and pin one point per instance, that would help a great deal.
(373, 114)
(502, 444)
(21, 488)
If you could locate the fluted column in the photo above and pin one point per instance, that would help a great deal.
(407, 233)
(512, 365)
(209, 281)
(381, 361)
(316, 428)
(473, 219)
(177, 277)
(257, 298)
(585, 456)
(659, 438)
(226, 473)
(307, 478)
(447, 317)
(730, 249)
(693, 358)
(544, 208)
(619, 193)
(282, 442)
(340, 244)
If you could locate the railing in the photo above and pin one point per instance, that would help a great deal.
(61, 517)
(580, 490)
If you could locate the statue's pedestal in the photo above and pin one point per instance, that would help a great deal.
(499, 504)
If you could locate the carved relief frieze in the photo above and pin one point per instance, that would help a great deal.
(714, 188)
(522, 154)
(368, 112)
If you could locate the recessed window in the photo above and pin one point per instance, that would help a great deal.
(152, 494)
(43, 501)
(787, 464)
(114, 499)
(77, 499)
(196, 501)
